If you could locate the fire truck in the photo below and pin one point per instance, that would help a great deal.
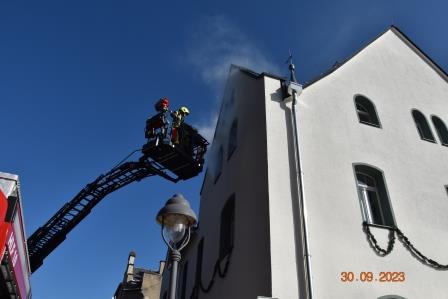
(173, 152)
(15, 267)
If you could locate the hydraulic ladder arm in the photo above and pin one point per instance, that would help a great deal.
(160, 157)
(46, 238)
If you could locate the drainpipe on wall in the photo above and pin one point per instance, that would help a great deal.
(294, 90)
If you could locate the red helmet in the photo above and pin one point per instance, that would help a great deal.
(162, 104)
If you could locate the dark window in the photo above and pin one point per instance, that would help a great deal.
(199, 256)
(233, 139)
(366, 111)
(203, 182)
(232, 97)
(441, 129)
(218, 164)
(375, 204)
(165, 295)
(227, 227)
(183, 292)
(12, 207)
(422, 126)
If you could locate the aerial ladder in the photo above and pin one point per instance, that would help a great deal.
(174, 160)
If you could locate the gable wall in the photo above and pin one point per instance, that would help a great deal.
(390, 74)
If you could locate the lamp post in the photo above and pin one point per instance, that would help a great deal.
(176, 219)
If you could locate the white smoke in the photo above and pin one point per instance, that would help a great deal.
(216, 45)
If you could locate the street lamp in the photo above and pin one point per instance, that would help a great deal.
(176, 219)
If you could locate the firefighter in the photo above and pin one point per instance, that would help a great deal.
(178, 119)
(158, 122)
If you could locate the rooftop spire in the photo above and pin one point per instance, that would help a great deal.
(292, 68)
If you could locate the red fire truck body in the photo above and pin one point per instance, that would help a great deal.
(14, 266)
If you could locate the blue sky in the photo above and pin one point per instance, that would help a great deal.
(79, 78)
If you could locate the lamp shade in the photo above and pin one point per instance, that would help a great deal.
(177, 211)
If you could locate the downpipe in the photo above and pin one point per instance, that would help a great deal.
(294, 89)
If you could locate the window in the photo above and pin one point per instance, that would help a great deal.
(232, 97)
(375, 204)
(422, 126)
(203, 182)
(227, 227)
(218, 164)
(233, 139)
(198, 276)
(183, 293)
(441, 130)
(391, 297)
(366, 111)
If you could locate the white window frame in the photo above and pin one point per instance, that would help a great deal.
(363, 189)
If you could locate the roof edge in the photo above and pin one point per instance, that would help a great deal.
(437, 68)
(256, 75)
(404, 38)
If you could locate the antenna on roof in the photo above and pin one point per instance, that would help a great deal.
(292, 68)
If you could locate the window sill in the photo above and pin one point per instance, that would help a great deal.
(429, 140)
(380, 226)
(370, 124)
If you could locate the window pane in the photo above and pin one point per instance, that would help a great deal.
(373, 196)
(227, 227)
(199, 255)
(232, 139)
(375, 207)
(422, 126)
(441, 129)
(366, 111)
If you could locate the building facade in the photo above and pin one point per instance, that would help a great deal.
(322, 191)
(139, 283)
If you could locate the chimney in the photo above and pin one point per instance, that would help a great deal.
(129, 275)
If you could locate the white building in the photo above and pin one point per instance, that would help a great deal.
(372, 146)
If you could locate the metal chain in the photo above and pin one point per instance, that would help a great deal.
(417, 254)
(403, 239)
(374, 243)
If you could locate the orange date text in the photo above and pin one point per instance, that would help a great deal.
(372, 277)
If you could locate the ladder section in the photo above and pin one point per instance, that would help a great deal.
(46, 238)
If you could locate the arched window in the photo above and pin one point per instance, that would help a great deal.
(218, 164)
(184, 273)
(375, 204)
(226, 239)
(422, 126)
(199, 257)
(233, 139)
(366, 111)
(391, 297)
(441, 129)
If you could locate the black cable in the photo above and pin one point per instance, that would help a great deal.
(127, 157)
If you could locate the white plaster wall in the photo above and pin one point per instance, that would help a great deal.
(281, 193)
(331, 139)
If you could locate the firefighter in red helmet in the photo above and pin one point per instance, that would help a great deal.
(159, 122)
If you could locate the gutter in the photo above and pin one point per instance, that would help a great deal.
(294, 90)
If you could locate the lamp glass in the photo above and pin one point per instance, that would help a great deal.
(174, 229)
